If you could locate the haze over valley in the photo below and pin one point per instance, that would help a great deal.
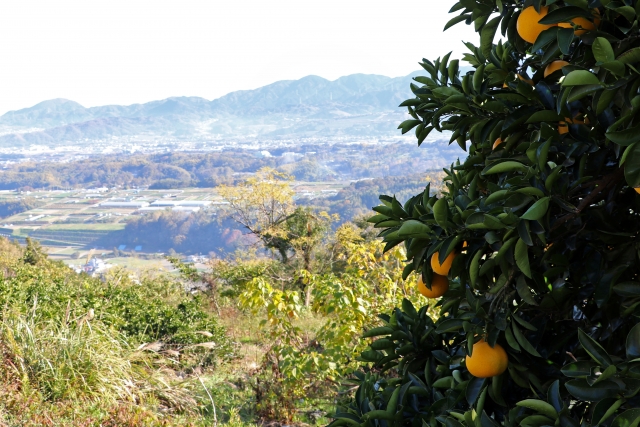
(354, 108)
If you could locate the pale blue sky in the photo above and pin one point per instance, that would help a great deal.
(101, 52)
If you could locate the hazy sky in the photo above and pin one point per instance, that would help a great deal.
(101, 52)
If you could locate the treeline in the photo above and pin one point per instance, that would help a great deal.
(164, 231)
(357, 199)
(321, 162)
(12, 207)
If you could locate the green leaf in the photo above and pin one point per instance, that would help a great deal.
(627, 289)
(487, 35)
(630, 57)
(594, 349)
(632, 166)
(554, 397)
(382, 330)
(629, 418)
(616, 67)
(522, 257)
(474, 387)
(625, 137)
(578, 369)
(565, 37)
(612, 406)
(456, 20)
(496, 197)
(627, 11)
(524, 291)
(544, 116)
(413, 227)
(511, 340)
(580, 389)
(377, 218)
(523, 341)
(633, 342)
(474, 268)
(580, 78)
(537, 210)
(508, 166)
(449, 325)
(440, 212)
(407, 125)
(564, 14)
(531, 191)
(605, 100)
(346, 417)
(539, 406)
(602, 50)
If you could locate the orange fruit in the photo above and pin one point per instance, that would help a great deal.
(439, 285)
(553, 67)
(442, 269)
(583, 23)
(496, 143)
(637, 190)
(528, 26)
(524, 79)
(563, 126)
(485, 361)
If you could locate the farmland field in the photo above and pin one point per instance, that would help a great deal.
(69, 222)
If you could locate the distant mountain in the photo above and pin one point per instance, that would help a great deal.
(359, 105)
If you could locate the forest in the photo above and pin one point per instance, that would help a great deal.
(12, 207)
(306, 162)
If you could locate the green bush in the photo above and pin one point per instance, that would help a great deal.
(541, 219)
(155, 309)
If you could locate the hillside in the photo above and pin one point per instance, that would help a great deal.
(359, 105)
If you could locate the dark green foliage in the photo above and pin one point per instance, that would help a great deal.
(551, 220)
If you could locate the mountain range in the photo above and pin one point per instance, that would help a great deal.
(354, 106)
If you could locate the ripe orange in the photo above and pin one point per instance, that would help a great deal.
(496, 143)
(528, 26)
(442, 269)
(584, 23)
(637, 190)
(553, 67)
(485, 361)
(439, 285)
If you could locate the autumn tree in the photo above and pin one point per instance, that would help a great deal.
(535, 234)
(261, 203)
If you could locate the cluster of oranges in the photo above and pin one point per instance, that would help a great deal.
(485, 361)
(529, 27)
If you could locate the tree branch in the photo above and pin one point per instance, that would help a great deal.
(606, 182)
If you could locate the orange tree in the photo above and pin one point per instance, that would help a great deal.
(536, 231)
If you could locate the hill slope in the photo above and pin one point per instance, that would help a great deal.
(359, 105)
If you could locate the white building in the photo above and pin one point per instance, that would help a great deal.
(130, 205)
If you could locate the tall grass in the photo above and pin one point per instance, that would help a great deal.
(86, 363)
(75, 351)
